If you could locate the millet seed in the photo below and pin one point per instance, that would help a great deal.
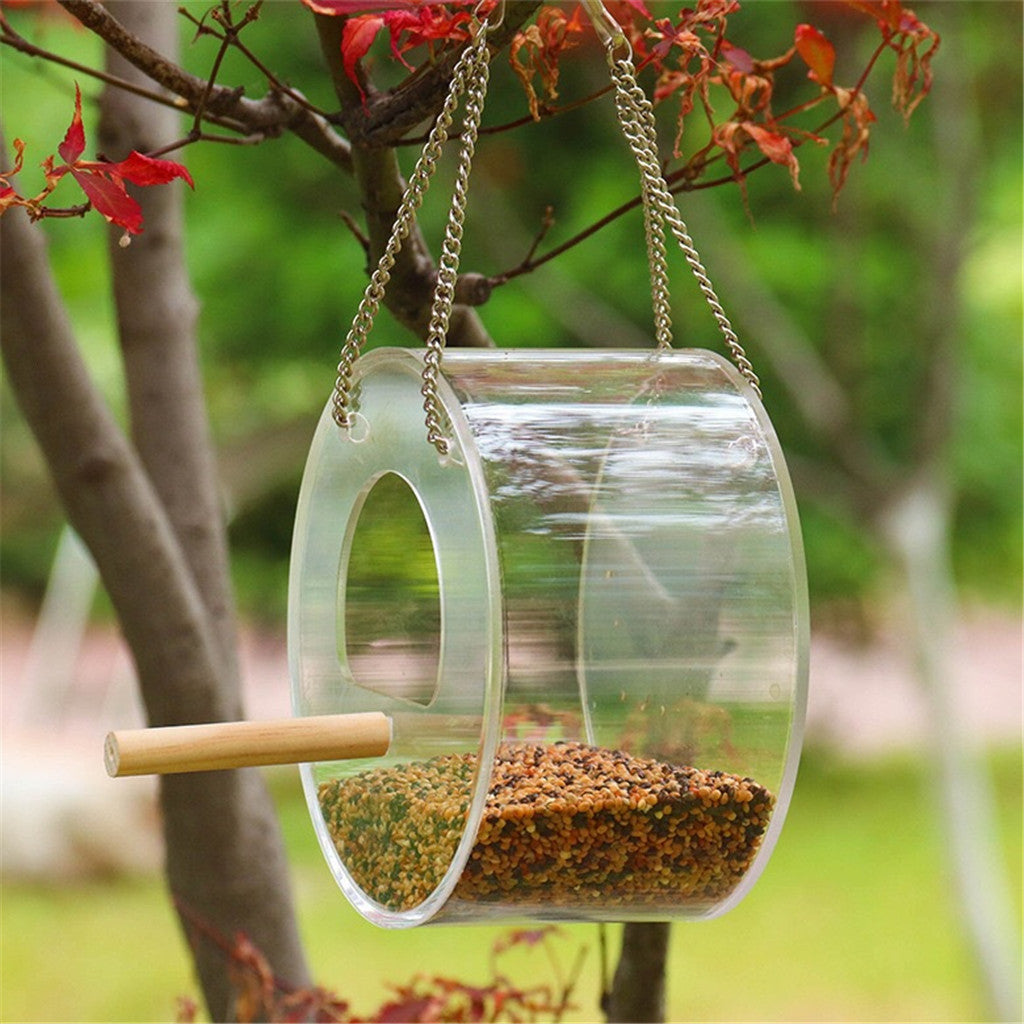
(564, 825)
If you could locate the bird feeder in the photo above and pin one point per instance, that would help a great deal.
(587, 623)
(549, 655)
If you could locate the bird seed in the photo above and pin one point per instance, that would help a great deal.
(564, 825)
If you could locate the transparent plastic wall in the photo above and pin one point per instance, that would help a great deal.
(588, 623)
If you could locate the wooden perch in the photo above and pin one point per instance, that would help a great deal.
(220, 745)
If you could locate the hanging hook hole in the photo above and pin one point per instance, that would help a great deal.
(449, 457)
(357, 429)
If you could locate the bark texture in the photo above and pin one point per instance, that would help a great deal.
(150, 515)
(638, 987)
(225, 858)
(380, 184)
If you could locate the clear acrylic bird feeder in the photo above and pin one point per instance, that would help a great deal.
(581, 604)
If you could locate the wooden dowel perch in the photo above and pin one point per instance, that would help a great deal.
(220, 745)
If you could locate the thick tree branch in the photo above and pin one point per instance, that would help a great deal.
(386, 116)
(218, 824)
(381, 186)
(108, 497)
(156, 315)
(225, 858)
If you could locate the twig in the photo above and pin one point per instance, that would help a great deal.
(547, 221)
(570, 985)
(224, 107)
(199, 136)
(360, 235)
(58, 212)
(10, 37)
(683, 180)
(212, 77)
(544, 110)
(231, 37)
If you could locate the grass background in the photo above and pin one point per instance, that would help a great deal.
(853, 919)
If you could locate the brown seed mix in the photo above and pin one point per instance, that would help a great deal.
(564, 825)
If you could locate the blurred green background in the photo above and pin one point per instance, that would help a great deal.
(854, 918)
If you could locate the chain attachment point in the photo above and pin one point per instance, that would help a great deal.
(470, 76)
(636, 118)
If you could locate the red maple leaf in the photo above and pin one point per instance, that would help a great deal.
(538, 49)
(410, 23)
(103, 181)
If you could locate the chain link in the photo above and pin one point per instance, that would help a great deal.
(636, 117)
(470, 71)
(448, 263)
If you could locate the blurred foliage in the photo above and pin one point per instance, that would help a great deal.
(279, 276)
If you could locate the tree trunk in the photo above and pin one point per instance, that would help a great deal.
(225, 860)
(156, 318)
(916, 528)
(638, 988)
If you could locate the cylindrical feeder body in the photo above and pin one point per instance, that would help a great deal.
(587, 621)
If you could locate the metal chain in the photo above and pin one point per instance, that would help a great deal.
(448, 263)
(635, 130)
(467, 71)
(636, 116)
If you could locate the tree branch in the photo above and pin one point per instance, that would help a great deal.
(267, 117)
(156, 317)
(386, 116)
(105, 492)
(638, 987)
(381, 186)
(225, 856)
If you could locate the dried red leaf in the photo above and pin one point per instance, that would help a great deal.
(733, 138)
(817, 53)
(885, 12)
(537, 50)
(857, 120)
(737, 57)
(8, 194)
(407, 1011)
(777, 147)
(667, 37)
(73, 145)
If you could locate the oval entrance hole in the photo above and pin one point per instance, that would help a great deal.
(390, 628)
